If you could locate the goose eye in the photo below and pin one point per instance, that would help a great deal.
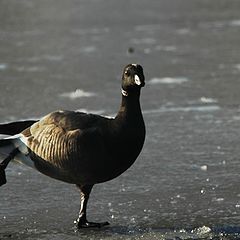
(127, 73)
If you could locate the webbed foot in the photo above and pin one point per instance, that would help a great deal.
(82, 221)
(87, 224)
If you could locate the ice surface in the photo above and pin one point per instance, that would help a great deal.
(168, 80)
(78, 93)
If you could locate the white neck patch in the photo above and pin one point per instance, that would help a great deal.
(137, 79)
(124, 93)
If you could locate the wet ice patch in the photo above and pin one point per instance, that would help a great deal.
(168, 80)
(183, 31)
(148, 28)
(147, 50)
(78, 93)
(88, 49)
(208, 100)
(91, 31)
(143, 41)
(236, 118)
(220, 24)
(3, 66)
(207, 108)
(235, 23)
(48, 57)
(53, 58)
(166, 48)
(237, 66)
(30, 69)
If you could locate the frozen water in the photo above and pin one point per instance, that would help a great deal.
(208, 100)
(78, 93)
(185, 183)
(3, 66)
(168, 80)
(235, 23)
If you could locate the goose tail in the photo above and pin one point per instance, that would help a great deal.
(14, 128)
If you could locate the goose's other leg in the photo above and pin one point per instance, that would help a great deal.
(82, 221)
(4, 164)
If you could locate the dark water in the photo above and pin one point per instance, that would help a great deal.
(185, 184)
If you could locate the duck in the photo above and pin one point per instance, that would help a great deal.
(80, 148)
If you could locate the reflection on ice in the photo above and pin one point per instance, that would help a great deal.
(30, 69)
(168, 80)
(200, 108)
(148, 28)
(45, 57)
(166, 48)
(88, 49)
(78, 93)
(235, 23)
(143, 40)
(237, 66)
(92, 31)
(220, 24)
(3, 66)
(183, 31)
(208, 100)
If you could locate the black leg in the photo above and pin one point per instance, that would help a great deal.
(4, 164)
(82, 221)
(2, 175)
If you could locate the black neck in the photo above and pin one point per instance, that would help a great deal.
(130, 106)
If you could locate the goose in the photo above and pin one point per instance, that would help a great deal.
(80, 148)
